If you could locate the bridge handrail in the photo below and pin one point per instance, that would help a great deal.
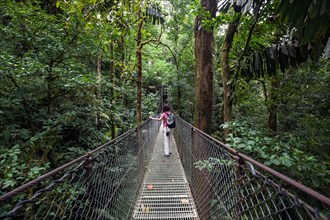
(309, 191)
(205, 147)
(81, 159)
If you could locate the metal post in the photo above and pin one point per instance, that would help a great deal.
(240, 181)
(140, 156)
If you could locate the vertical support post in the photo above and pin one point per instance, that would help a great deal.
(140, 156)
(190, 149)
(201, 186)
(150, 128)
(160, 99)
(87, 165)
(240, 181)
(202, 179)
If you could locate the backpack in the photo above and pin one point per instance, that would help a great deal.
(170, 120)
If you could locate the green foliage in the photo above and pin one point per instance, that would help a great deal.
(150, 102)
(54, 106)
(304, 106)
(212, 164)
(14, 172)
(282, 153)
(310, 19)
(264, 47)
(177, 58)
(49, 91)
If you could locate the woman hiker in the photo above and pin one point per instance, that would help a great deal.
(167, 134)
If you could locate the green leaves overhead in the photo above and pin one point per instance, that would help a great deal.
(310, 18)
(280, 56)
(243, 6)
(302, 29)
(153, 12)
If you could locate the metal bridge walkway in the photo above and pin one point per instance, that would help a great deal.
(165, 192)
(129, 178)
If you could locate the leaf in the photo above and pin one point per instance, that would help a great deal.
(184, 201)
(273, 51)
(58, 4)
(283, 60)
(327, 49)
(287, 162)
(323, 7)
(275, 161)
(314, 9)
(292, 49)
(8, 183)
(145, 209)
(316, 182)
(298, 12)
(225, 125)
(257, 64)
(271, 69)
(225, 7)
(150, 187)
(248, 5)
(284, 49)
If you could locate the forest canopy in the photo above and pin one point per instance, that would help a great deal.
(75, 74)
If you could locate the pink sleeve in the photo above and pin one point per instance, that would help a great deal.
(163, 116)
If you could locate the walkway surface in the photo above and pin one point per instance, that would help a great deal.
(165, 193)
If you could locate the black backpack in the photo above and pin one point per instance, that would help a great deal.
(170, 120)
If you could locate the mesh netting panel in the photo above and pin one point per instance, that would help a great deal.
(225, 186)
(104, 186)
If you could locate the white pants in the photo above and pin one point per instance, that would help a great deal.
(167, 138)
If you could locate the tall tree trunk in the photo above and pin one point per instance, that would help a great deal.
(124, 126)
(139, 67)
(98, 90)
(226, 73)
(177, 65)
(272, 119)
(204, 70)
(179, 111)
(204, 96)
(112, 91)
(49, 93)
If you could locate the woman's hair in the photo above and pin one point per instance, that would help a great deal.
(166, 108)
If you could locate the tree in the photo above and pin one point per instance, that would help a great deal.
(139, 63)
(204, 40)
(179, 42)
(50, 111)
(264, 65)
(204, 67)
(153, 11)
(225, 65)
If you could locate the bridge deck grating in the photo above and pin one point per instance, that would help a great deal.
(165, 192)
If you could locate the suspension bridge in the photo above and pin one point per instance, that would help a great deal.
(129, 178)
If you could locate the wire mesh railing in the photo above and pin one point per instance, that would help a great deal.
(102, 184)
(105, 183)
(227, 184)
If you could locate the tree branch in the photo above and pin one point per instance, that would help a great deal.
(151, 40)
(238, 66)
(265, 92)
